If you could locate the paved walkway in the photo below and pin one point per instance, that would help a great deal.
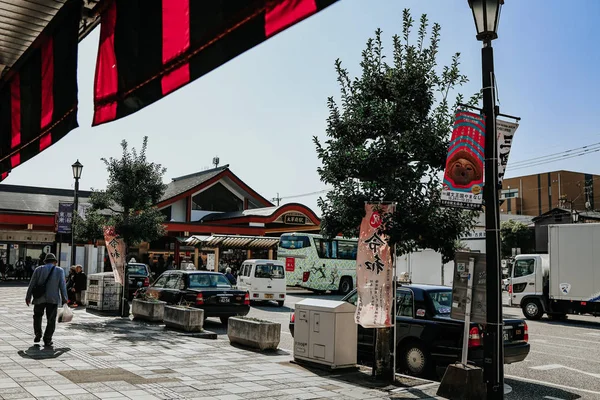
(112, 358)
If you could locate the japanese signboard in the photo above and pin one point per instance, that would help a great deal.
(374, 275)
(459, 287)
(292, 219)
(65, 217)
(463, 177)
(116, 251)
(506, 133)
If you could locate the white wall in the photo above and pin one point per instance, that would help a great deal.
(178, 210)
(425, 267)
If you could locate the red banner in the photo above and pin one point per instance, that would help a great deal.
(116, 251)
(374, 275)
(463, 177)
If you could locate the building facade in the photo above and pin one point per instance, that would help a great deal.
(540, 193)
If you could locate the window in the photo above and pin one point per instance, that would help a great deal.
(405, 304)
(172, 281)
(137, 269)
(269, 271)
(208, 280)
(324, 248)
(246, 270)
(353, 299)
(160, 282)
(442, 301)
(524, 268)
(346, 250)
(294, 242)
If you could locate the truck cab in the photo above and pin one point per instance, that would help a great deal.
(529, 284)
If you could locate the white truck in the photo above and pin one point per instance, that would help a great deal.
(424, 267)
(565, 281)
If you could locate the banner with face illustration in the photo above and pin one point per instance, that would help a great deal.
(463, 177)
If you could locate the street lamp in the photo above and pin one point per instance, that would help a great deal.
(77, 170)
(486, 14)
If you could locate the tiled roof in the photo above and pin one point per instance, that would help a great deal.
(35, 199)
(184, 183)
(254, 212)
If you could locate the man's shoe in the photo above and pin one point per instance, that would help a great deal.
(48, 344)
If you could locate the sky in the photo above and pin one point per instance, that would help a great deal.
(259, 112)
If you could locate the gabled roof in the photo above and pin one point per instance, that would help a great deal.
(266, 214)
(554, 211)
(184, 183)
(188, 184)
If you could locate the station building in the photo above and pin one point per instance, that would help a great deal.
(212, 218)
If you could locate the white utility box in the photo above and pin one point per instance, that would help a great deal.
(325, 333)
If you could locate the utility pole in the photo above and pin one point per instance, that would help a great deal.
(277, 199)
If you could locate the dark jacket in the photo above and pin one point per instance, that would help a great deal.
(80, 282)
(231, 278)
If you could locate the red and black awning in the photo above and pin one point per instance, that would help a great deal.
(38, 105)
(144, 56)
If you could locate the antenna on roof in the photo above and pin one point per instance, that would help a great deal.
(277, 199)
(216, 161)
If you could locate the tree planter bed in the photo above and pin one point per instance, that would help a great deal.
(262, 335)
(148, 310)
(188, 319)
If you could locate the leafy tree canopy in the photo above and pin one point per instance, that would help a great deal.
(515, 234)
(388, 140)
(135, 186)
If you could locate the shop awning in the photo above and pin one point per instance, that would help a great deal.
(233, 241)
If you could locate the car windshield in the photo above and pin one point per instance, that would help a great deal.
(442, 301)
(208, 281)
(269, 271)
(137, 269)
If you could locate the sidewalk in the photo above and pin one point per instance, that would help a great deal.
(111, 358)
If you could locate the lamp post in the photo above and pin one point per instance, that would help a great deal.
(77, 170)
(486, 14)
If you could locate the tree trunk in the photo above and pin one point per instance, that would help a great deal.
(383, 360)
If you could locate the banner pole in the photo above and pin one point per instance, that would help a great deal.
(395, 300)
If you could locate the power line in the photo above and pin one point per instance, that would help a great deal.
(561, 153)
(534, 164)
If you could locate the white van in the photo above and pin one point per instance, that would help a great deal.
(263, 279)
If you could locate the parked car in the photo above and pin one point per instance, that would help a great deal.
(428, 339)
(210, 291)
(138, 276)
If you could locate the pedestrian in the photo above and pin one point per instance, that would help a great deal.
(20, 269)
(71, 286)
(230, 277)
(2, 269)
(29, 267)
(49, 291)
(80, 285)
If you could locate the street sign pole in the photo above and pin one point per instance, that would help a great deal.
(469, 302)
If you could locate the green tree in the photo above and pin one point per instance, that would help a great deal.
(135, 186)
(515, 234)
(388, 142)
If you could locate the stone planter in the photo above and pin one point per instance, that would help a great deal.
(188, 319)
(262, 335)
(148, 310)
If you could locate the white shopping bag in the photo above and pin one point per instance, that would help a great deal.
(65, 314)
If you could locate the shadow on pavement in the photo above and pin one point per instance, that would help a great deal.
(278, 352)
(526, 390)
(42, 353)
(573, 322)
(271, 307)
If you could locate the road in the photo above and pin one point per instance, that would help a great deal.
(564, 362)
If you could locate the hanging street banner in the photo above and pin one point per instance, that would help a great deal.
(463, 177)
(374, 271)
(116, 251)
(65, 217)
(506, 133)
(460, 300)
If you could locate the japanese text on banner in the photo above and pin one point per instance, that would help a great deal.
(374, 275)
(116, 251)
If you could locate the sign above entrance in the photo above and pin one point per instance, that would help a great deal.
(294, 218)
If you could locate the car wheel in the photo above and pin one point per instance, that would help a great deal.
(224, 320)
(415, 359)
(280, 304)
(345, 285)
(532, 309)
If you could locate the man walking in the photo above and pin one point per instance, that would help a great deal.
(80, 285)
(48, 289)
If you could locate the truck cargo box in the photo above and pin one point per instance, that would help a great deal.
(574, 262)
